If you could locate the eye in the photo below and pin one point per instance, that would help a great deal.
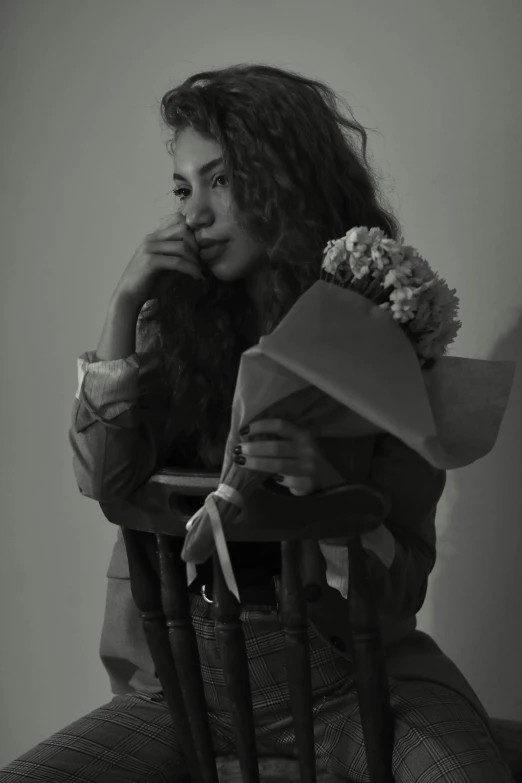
(178, 192)
(221, 176)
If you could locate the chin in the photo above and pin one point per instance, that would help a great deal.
(227, 273)
(229, 270)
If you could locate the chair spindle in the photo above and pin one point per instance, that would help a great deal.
(294, 620)
(232, 647)
(146, 593)
(370, 668)
(184, 647)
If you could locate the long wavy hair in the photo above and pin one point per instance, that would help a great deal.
(297, 179)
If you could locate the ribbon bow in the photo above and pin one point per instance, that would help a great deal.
(228, 493)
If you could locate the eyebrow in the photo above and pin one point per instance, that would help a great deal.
(203, 170)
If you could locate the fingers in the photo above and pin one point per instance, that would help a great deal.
(287, 467)
(177, 229)
(292, 453)
(286, 429)
(298, 485)
(289, 457)
(287, 449)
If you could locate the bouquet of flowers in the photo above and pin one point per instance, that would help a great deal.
(362, 351)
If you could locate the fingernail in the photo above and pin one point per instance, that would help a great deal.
(279, 478)
(237, 450)
(240, 460)
(245, 430)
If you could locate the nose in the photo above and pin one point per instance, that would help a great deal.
(198, 212)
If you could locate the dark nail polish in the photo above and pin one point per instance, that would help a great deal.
(245, 430)
(279, 478)
(240, 460)
(237, 450)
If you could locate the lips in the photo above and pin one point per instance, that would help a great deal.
(208, 242)
(212, 250)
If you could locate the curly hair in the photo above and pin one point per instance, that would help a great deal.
(297, 180)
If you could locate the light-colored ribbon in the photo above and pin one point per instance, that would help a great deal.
(228, 493)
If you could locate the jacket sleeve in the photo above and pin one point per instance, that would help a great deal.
(119, 433)
(414, 488)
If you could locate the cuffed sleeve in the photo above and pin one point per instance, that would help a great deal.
(414, 488)
(119, 433)
(109, 387)
(379, 541)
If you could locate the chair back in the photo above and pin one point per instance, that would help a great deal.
(153, 524)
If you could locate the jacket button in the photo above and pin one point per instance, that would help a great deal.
(312, 593)
(338, 643)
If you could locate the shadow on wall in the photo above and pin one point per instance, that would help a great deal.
(476, 586)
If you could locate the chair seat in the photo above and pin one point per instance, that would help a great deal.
(271, 770)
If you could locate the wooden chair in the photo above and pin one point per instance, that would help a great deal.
(153, 524)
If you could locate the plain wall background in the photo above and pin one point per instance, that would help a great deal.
(86, 174)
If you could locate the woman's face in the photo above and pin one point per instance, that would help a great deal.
(204, 197)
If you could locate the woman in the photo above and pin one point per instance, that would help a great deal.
(264, 165)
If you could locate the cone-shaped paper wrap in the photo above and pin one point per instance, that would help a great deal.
(341, 364)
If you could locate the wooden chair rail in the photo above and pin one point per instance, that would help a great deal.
(157, 507)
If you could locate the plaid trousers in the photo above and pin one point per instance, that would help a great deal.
(438, 735)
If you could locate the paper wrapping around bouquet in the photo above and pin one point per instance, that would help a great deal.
(343, 344)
